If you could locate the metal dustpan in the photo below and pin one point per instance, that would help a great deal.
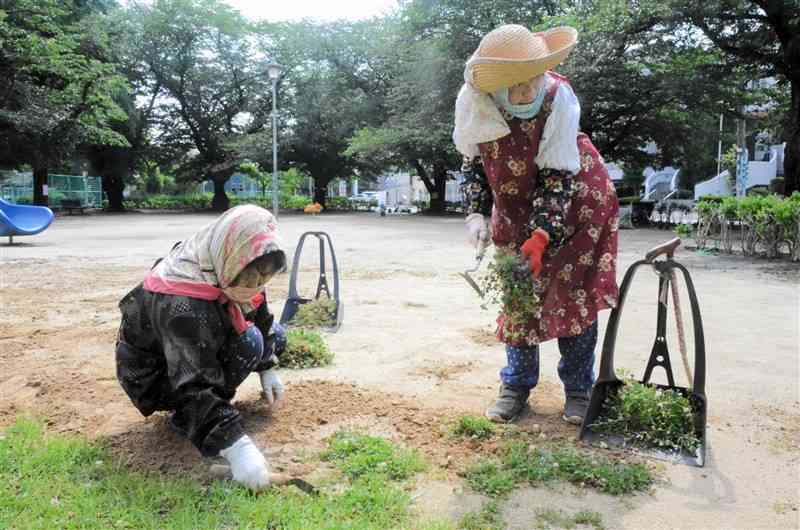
(608, 383)
(294, 300)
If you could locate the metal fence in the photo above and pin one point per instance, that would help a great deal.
(17, 187)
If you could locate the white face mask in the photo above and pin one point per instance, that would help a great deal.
(241, 295)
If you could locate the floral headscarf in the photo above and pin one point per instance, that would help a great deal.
(204, 265)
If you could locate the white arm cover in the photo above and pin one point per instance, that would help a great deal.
(558, 147)
(477, 120)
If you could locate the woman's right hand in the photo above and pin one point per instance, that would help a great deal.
(477, 229)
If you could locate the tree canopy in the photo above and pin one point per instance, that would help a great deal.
(183, 84)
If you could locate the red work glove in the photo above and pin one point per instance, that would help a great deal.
(533, 249)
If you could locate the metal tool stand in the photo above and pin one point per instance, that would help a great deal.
(608, 384)
(294, 301)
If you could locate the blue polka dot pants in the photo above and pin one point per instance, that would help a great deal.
(246, 352)
(576, 367)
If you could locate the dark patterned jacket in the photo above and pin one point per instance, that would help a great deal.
(171, 355)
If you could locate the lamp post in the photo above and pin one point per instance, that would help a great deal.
(274, 72)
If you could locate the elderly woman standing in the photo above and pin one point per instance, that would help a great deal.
(542, 191)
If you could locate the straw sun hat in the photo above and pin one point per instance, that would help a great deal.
(512, 54)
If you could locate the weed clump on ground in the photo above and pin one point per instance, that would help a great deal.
(650, 417)
(547, 519)
(305, 349)
(317, 313)
(488, 518)
(474, 427)
(357, 455)
(491, 478)
(56, 482)
(522, 463)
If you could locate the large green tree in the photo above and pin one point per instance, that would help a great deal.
(761, 37)
(431, 42)
(334, 83)
(56, 91)
(201, 54)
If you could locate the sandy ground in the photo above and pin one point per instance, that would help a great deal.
(415, 351)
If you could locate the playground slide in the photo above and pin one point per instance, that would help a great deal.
(20, 220)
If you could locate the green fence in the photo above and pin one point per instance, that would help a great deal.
(17, 187)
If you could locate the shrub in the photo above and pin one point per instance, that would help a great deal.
(766, 223)
(684, 231)
(338, 204)
(626, 201)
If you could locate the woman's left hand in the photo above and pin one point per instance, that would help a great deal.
(533, 249)
(272, 387)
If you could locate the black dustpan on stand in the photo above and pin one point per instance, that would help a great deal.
(294, 300)
(608, 384)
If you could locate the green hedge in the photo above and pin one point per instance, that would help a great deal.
(202, 201)
(629, 201)
(766, 224)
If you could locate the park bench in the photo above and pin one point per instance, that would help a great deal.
(71, 205)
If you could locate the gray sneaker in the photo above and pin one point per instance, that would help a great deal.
(575, 408)
(510, 403)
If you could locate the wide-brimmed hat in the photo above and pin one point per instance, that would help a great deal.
(512, 54)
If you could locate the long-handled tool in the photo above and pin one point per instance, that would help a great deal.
(480, 251)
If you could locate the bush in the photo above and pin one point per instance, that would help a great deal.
(765, 223)
(338, 204)
(293, 202)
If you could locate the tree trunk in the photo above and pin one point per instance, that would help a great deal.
(320, 193)
(114, 185)
(220, 202)
(791, 156)
(435, 186)
(40, 175)
(438, 202)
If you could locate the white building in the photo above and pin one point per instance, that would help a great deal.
(768, 164)
(403, 189)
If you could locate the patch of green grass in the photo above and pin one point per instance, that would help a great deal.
(55, 482)
(488, 518)
(650, 417)
(305, 349)
(547, 519)
(315, 314)
(357, 455)
(474, 427)
(521, 463)
(491, 478)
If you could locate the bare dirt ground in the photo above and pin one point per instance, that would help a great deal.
(415, 352)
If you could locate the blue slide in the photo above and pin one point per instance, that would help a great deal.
(20, 220)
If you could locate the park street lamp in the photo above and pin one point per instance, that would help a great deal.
(274, 72)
